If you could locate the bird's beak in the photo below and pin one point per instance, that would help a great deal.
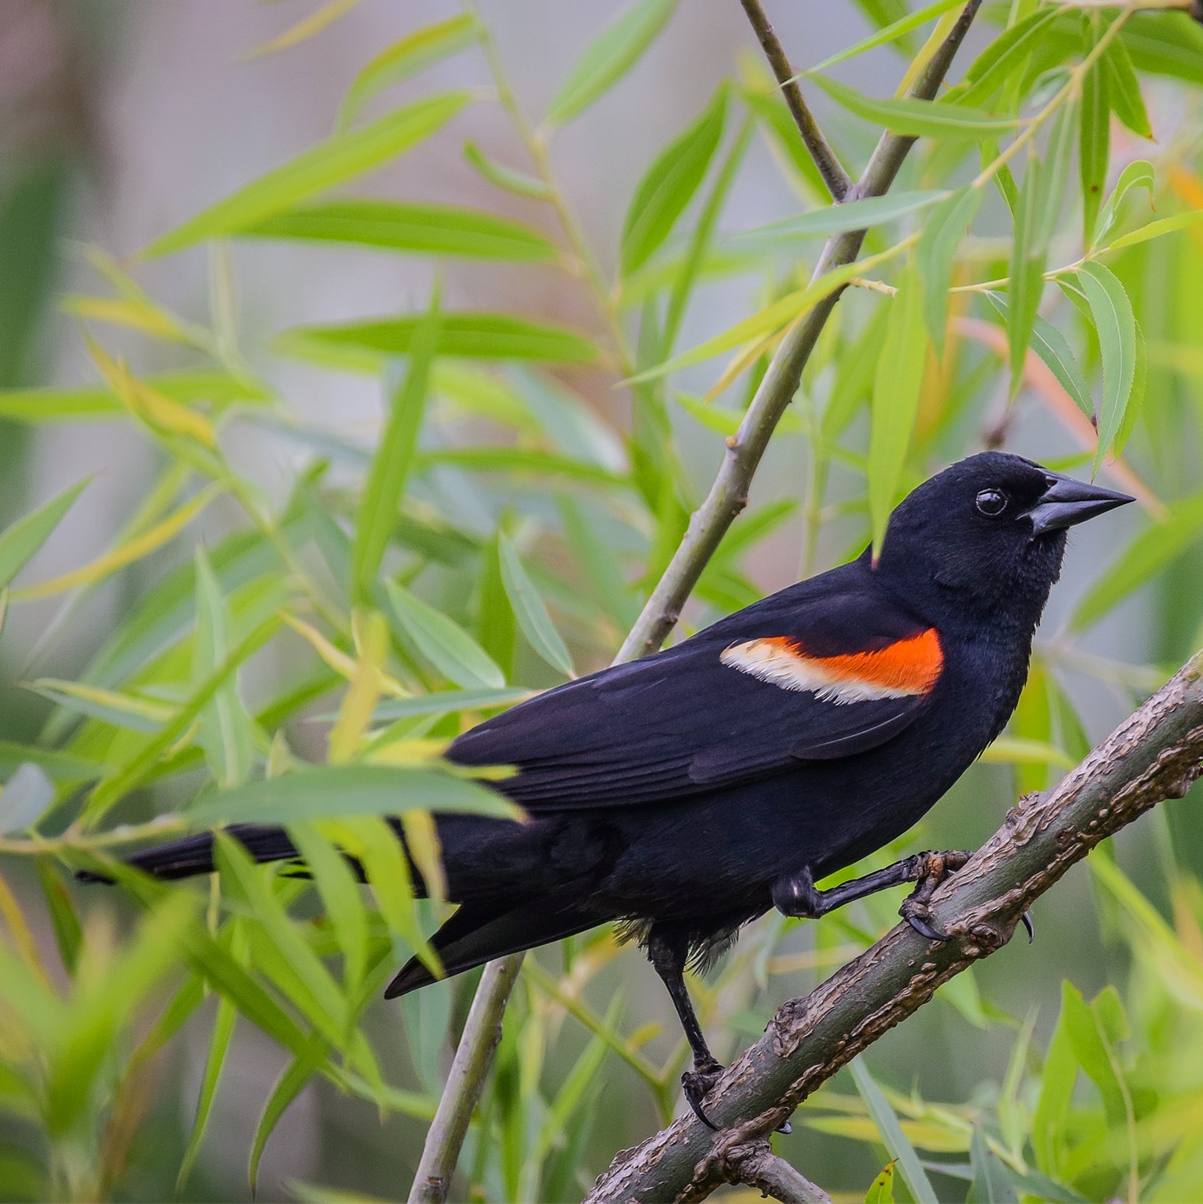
(1066, 502)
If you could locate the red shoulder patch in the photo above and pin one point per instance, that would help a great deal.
(905, 668)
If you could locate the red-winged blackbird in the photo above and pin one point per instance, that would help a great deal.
(686, 793)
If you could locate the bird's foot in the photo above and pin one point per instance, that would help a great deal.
(915, 910)
(697, 1084)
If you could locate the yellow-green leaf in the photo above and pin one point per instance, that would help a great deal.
(21, 539)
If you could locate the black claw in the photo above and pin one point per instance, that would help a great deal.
(1026, 920)
(923, 928)
(696, 1085)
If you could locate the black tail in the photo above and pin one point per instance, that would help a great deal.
(194, 854)
(479, 932)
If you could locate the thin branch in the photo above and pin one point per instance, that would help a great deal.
(1154, 754)
(482, 1031)
(838, 181)
(729, 493)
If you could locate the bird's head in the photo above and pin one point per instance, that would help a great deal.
(989, 530)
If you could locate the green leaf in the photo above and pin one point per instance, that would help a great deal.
(380, 503)
(20, 540)
(900, 1149)
(1053, 348)
(609, 57)
(530, 611)
(921, 118)
(408, 226)
(219, 1047)
(442, 642)
(1092, 1051)
(1060, 1072)
(881, 1190)
(1144, 559)
(45, 406)
(448, 702)
(1166, 225)
(1137, 174)
(669, 185)
(895, 403)
(58, 766)
(855, 215)
(992, 1182)
(330, 792)
(1095, 132)
(891, 32)
(1116, 326)
(225, 731)
(1006, 56)
(517, 182)
(405, 58)
(332, 162)
(936, 253)
(1165, 43)
(477, 335)
(1027, 271)
(1123, 88)
(25, 798)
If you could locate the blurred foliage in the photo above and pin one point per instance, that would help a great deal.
(304, 656)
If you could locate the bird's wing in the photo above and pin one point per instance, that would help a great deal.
(804, 675)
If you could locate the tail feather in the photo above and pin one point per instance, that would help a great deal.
(194, 854)
(478, 933)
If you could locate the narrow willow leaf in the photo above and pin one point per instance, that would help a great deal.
(405, 58)
(335, 161)
(367, 682)
(530, 611)
(772, 319)
(895, 405)
(1052, 179)
(219, 1047)
(161, 413)
(20, 540)
(992, 1183)
(921, 118)
(306, 28)
(127, 553)
(380, 504)
(936, 253)
(891, 32)
(669, 185)
(1090, 1048)
(1053, 348)
(1006, 56)
(763, 97)
(1137, 174)
(1149, 553)
(1166, 43)
(46, 406)
(881, 1190)
(1124, 89)
(1165, 225)
(1116, 327)
(1095, 132)
(609, 57)
(1027, 272)
(422, 843)
(334, 792)
(408, 226)
(906, 1160)
(446, 702)
(25, 798)
(286, 1089)
(114, 707)
(472, 335)
(443, 642)
(499, 174)
(225, 732)
(58, 766)
(855, 215)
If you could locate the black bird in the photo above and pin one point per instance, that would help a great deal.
(686, 793)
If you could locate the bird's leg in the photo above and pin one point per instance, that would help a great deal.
(668, 957)
(796, 894)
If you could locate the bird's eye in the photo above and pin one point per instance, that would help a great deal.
(991, 502)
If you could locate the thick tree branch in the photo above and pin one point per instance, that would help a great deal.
(838, 181)
(729, 493)
(1154, 754)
